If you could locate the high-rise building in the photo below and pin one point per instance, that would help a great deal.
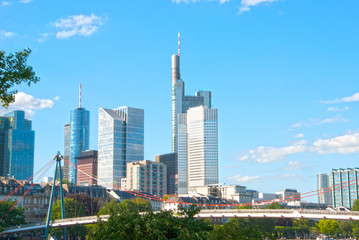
(202, 146)
(17, 141)
(170, 160)
(79, 136)
(87, 163)
(345, 183)
(324, 193)
(120, 141)
(67, 140)
(147, 176)
(181, 105)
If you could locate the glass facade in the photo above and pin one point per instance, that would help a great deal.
(181, 104)
(325, 196)
(120, 141)
(79, 138)
(17, 142)
(345, 184)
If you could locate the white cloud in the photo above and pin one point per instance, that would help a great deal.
(28, 104)
(271, 154)
(345, 144)
(336, 109)
(299, 135)
(82, 25)
(43, 37)
(4, 34)
(244, 179)
(247, 4)
(5, 3)
(293, 165)
(294, 177)
(317, 122)
(352, 98)
(26, 1)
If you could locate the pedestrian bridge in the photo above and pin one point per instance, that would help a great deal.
(210, 213)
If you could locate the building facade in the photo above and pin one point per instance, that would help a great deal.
(344, 184)
(324, 193)
(181, 143)
(79, 138)
(87, 168)
(147, 176)
(120, 141)
(202, 146)
(17, 143)
(67, 140)
(170, 160)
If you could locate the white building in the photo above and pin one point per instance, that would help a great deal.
(324, 193)
(202, 146)
(120, 140)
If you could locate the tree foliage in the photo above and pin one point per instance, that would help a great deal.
(355, 205)
(328, 226)
(130, 224)
(14, 71)
(90, 205)
(72, 209)
(10, 218)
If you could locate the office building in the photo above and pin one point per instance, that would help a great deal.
(87, 168)
(344, 186)
(17, 142)
(324, 192)
(120, 141)
(170, 160)
(147, 176)
(288, 194)
(181, 143)
(202, 146)
(79, 138)
(67, 139)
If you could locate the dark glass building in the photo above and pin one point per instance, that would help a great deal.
(17, 142)
(170, 160)
(79, 138)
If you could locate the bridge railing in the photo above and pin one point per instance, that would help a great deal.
(281, 211)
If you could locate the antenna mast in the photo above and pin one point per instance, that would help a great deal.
(80, 96)
(179, 44)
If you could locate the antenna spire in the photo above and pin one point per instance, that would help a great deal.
(80, 96)
(179, 44)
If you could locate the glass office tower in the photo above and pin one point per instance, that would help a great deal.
(120, 141)
(79, 138)
(181, 104)
(324, 193)
(345, 183)
(17, 142)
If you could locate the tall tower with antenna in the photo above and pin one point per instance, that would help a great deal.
(181, 126)
(79, 136)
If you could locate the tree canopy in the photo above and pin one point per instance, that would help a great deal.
(14, 71)
(10, 218)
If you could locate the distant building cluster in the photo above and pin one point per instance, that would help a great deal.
(187, 174)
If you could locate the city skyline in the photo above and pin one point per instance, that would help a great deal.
(283, 77)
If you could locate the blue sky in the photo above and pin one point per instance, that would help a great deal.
(283, 74)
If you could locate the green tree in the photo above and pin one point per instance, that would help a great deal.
(90, 205)
(72, 209)
(14, 71)
(345, 229)
(355, 205)
(328, 227)
(129, 224)
(10, 218)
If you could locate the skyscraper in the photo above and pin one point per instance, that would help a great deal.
(120, 141)
(79, 136)
(346, 182)
(202, 146)
(324, 195)
(17, 141)
(170, 160)
(67, 140)
(183, 127)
